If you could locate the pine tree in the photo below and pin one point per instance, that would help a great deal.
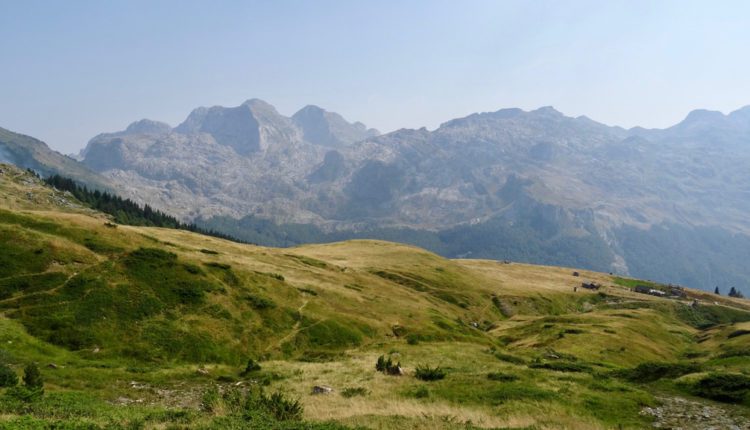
(716, 290)
(32, 378)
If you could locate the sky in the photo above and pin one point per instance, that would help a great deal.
(73, 69)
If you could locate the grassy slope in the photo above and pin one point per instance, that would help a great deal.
(35, 154)
(156, 303)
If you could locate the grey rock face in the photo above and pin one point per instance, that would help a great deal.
(147, 126)
(581, 176)
(325, 128)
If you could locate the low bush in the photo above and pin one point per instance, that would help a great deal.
(8, 377)
(387, 366)
(561, 366)
(282, 408)
(509, 358)
(724, 387)
(652, 371)
(259, 303)
(251, 366)
(735, 352)
(503, 377)
(427, 373)
(737, 333)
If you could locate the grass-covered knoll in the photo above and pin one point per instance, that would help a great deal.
(164, 323)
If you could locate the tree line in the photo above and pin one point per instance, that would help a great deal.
(126, 211)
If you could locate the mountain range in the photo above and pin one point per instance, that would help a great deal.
(666, 204)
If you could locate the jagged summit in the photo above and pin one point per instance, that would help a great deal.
(330, 129)
(148, 126)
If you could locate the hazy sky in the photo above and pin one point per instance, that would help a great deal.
(72, 69)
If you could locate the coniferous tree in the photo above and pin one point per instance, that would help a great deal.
(32, 378)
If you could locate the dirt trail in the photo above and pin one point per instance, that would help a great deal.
(294, 330)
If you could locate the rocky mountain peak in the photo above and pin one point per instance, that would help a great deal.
(320, 127)
(703, 116)
(148, 126)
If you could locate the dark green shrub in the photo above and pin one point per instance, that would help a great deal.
(504, 377)
(276, 276)
(8, 377)
(251, 366)
(561, 366)
(652, 371)
(724, 387)
(735, 352)
(737, 333)
(281, 408)
(308, 291)
(509, 358)
(216, 265)
(259, 303)
(192, 268)
(427, 373)
(412, 339)
(32, 379)
(355, 391)
(208, 251)
(386, 365)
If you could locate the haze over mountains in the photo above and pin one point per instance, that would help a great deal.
(534, 186)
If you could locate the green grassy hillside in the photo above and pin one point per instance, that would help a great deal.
(153, 328)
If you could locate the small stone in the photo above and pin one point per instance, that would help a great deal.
(52, 366)
(322, 389)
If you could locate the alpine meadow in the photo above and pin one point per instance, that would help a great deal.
(334, 215)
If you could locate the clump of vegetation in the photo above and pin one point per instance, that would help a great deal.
(724, 387)
(705, 316)
(218, 265)
(737, 333)
(510, 358)
(308, 291)
(427, 373)
(561, 366)
(653, 371)
(277, 276)
(192, 268)
(8, 377)
(355, 391)
(32, 388)
(208, 251)
(254, 406)
(387, 366)
(503, 377)
(252, 366)
(259, 303)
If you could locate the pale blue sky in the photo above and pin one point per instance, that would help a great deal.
(72, 69)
